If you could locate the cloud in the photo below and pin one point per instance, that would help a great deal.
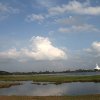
(71, 20)
(75, 7)
(41, 49)
(68, 21)
(79, 28)
(63, 30)
(35, 17)
(88, 57)
(45, 49)
(71, 25)
(11, 53)
(45, 3)
(42, 55)
(94, 50)
(6, 10)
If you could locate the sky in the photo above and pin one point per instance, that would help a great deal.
(54, 35)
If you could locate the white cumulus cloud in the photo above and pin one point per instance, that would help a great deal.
(41, 49)
(94, 49)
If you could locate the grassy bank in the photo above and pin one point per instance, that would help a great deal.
(50, 78)
(86, 97)
(8, 84)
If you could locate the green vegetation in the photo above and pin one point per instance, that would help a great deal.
(65, 79)
(47, 72)
(86, 97)
(8, 84)
(16, 77)
(50, 78)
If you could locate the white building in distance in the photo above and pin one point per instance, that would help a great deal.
(97, 67)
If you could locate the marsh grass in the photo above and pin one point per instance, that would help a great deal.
(8, 84)
(66, 79)
(50, 78)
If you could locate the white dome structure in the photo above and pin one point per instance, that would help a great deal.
(97, 67)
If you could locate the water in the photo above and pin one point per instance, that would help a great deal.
(76, 73)
(83, 73)
(75, 88)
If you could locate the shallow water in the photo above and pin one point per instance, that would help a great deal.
(76, 73)
(75, 88)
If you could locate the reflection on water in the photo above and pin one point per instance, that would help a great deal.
(75, 88)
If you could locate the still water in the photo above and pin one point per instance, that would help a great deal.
(75, 88)
(76, 73)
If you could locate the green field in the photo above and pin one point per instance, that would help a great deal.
(50, 78)
(86, 97)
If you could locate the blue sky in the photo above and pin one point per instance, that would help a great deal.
(57, 34)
